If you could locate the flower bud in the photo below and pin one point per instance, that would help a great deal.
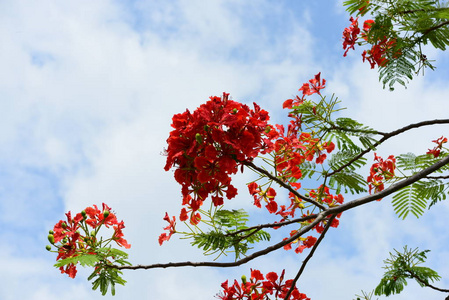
(267, 129)
(83, 213)
(48, 247)
(51, 232)
(106, 214)
(243, 279)
(51, 239)
(64, 225)
(199, 138)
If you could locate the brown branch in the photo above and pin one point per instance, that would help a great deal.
(309, 256)
(284, 185)
(437, 177)
(388, 136)
(429, 30)
(333, 127)
(322, 215)
(413, 275)
(265, 251)
(272, 225)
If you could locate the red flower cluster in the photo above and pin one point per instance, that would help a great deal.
(380, 49)
(437, 150)
(259, 287)
(380, 172)
(323, 195)
(351, 35)
(309, 88)
(208, 145)
(268, 196)
(378, 52)
(73, 243)
(294, 147)
(303, 243)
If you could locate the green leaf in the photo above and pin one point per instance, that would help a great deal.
(402, 266)
(224, 237)
(351, 182)
(89, 260)
(408, 200)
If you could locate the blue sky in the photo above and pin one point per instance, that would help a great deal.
(88, 91)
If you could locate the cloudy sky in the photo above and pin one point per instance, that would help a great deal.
(88, 89)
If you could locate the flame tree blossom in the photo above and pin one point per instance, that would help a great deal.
(207, 146)
(381, 171)
(259, 287)
(72, 237)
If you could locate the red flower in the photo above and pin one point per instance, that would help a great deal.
(259, 289)
(71, 242)
(350, 35)
(437, 150)
(118, 235)
(171, 228)
(207, 146)
(380, 172)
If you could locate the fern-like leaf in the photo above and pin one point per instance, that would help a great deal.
(407, 200)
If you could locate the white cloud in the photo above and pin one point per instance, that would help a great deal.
(90, 89)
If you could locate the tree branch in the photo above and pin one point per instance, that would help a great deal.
(319, 217)
(390, 135)
(271, 225)
(265, 251)
(413, 275)
(437, 177)
(429, 30)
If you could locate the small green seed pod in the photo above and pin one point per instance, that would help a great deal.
(106, 213)
(51, 239)
(48, 247)
(51, 232)
(243, 279)
(83, 213)
(199, 138)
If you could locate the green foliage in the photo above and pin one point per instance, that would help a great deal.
(425, 192)
(350, 137)
(308, 169)
(87, 260)
(398, 70)
(227, 233)
(402, 266)
(412, 24)
(345, 128)
(408, 200)
(347, 178)
(106, 275)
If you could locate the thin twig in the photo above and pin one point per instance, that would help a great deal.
(284, 185)
(413, 275)
(309, 256)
